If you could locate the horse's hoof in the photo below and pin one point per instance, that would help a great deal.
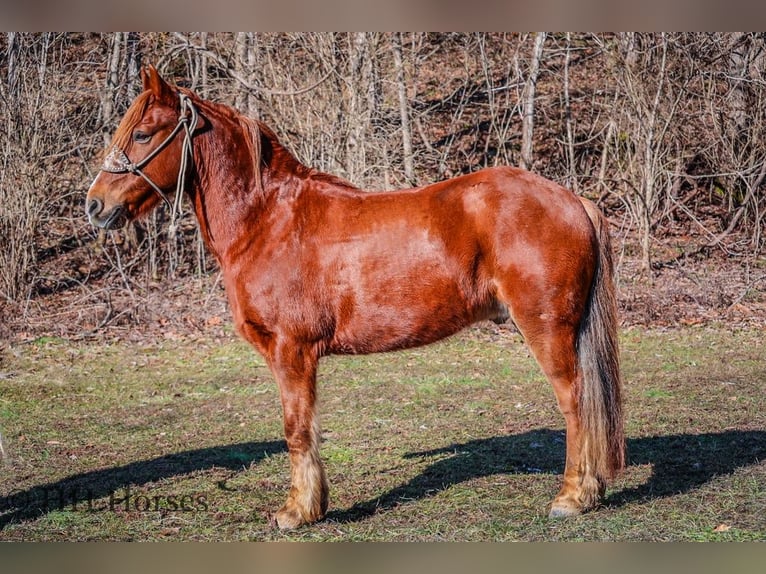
(564, 509)
(288, 518)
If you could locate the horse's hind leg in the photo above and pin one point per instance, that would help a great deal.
(581, 490)
(553, 343)
(295, 370)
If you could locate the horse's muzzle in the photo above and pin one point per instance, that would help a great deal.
(111, 220)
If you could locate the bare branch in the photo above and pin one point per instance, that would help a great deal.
(229, 69)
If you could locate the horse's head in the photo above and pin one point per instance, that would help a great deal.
(148, 155)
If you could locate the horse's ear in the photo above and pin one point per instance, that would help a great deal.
(154, 83)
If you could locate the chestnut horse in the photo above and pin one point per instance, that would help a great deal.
(314, 266)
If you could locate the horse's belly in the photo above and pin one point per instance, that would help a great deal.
(376, 335)
(403, 318)
(402, 286)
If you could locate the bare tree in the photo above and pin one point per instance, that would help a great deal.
(674, 133)
(647, 195)
(358, 115)
(404, 108)
(34, 149)
(528, 122)
(572, 176)
(19, 216)
(740, 134)
(647, 109)
(245, 65)
(109, 94)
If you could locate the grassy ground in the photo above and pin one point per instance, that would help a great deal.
(457, 441)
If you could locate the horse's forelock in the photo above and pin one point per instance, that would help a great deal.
(135, 112)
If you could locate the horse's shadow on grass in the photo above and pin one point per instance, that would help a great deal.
(680, 463)
(77, 492)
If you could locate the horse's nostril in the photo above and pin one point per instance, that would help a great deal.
(94, 206)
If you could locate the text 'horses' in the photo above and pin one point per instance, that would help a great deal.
(314, 266)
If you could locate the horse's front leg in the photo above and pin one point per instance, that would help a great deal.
(294, 367)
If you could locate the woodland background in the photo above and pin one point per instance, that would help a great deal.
(665, 131)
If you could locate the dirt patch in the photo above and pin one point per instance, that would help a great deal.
(717, 289)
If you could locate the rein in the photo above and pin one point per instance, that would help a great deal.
(117, 160)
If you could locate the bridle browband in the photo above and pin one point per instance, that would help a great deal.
(117, 160)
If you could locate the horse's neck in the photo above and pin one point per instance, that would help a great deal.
(231, 193)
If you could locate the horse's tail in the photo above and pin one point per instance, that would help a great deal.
(600, 400)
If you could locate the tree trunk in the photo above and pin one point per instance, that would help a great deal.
(568, 120)
(358, 117)
(738, 64)
(134, 57)
(244, 64)
(648, 200)
(527, 122)
(404, 106)
(109, 94)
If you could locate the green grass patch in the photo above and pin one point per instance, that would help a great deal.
(462, 440)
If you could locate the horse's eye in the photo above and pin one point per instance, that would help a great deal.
(141, 137)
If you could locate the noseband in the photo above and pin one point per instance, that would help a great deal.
(117, 160)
